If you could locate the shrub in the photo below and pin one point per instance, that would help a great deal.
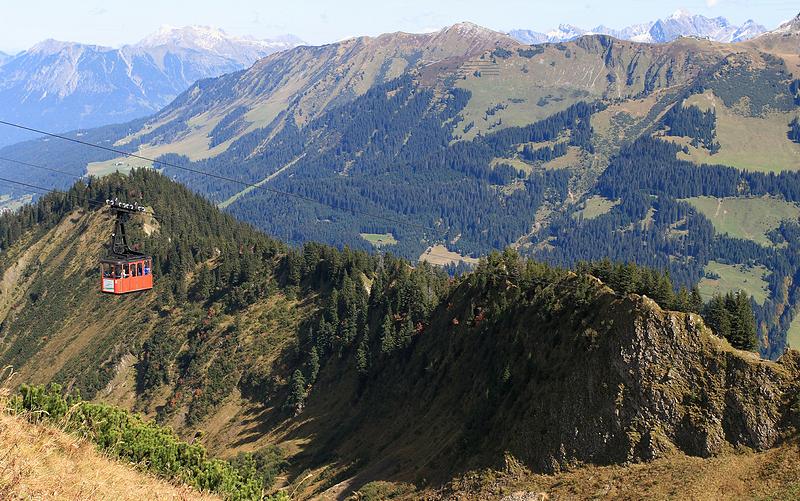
(153, 448)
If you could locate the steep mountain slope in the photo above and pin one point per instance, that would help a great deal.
(64, 86)
(768, 475)
(361, 368)
(464, 141)
(679, 24)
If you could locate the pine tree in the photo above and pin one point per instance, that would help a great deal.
(731, 316)
(388, 342)
(297, 393)
(204, 285)
(695, 301)
(718, 317)
(362, 356)
(406, 333)
(745, 336)
(313, 364)
(682, 300)
(664, 293)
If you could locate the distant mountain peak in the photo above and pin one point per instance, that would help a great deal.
(679, 23)
(790, 26)
(51, 46)
(207, 38)
(681, 14)
(92, 85)
(471, 37)
(467, 28)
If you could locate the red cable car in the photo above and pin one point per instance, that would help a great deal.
(124, 269)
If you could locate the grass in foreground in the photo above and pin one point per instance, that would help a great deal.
(41, 462)
(770, 475)
(150, 447)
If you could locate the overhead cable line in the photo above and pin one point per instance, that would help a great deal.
(26, 164)
(99, 203)
(219, 177)
(543, 283)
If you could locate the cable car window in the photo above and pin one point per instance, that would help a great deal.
(139, 270)
(147, 268)
(117, 271)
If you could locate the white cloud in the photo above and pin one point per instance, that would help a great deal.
(712, 3)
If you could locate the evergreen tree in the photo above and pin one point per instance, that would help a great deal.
(682, 300)
(297, 393)
(744, 334)
(388, 342)
(313, 364)
(362, 356)
(731, 316)
(204, 285)
(695, 301)
(718, 317)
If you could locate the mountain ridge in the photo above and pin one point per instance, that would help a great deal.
(680, 23)
(61, 86)
(362, 368)
(487, 143)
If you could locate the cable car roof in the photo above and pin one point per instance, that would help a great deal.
(124, 259)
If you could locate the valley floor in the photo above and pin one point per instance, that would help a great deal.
(40, 462)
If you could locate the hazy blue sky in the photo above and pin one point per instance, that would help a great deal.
(113, 22)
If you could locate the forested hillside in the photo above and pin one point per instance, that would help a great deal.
(340, 368)
(681, 157)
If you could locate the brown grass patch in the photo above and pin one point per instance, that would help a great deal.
(39, 462)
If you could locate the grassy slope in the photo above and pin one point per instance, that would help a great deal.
(379, 239)
(595, 206)
(415, 433)
(39, 462)
(747, 218)
(734, 278)
(773, 475)
(74, 327)
(750, 143)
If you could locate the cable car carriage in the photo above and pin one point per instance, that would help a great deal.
(124, 269)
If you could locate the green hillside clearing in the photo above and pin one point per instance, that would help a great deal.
(595, 206)
(751, 143)
(379, 239)
(733, 278)
(745, 217)
(793, 334)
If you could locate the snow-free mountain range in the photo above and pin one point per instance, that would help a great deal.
(62, 86)
(345, 369)
(65, 85)
(681, 23)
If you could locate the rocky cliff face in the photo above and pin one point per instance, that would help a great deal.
(556, 384)
(546, 367)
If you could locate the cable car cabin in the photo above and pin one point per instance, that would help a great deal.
(123, 275)
(124, 270)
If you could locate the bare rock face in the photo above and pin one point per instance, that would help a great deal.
(681, 387)
(610, 381)
(656, 382)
